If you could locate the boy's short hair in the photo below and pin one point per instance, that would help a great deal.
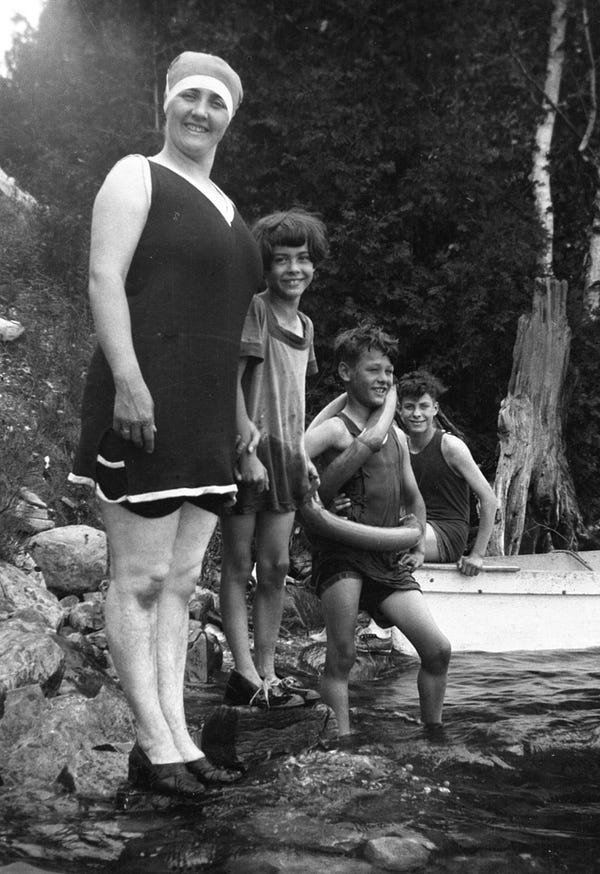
(349, 345)
(417, 383)
(291, 227)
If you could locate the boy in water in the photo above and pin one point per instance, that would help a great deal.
(276, 354)
(380, 487)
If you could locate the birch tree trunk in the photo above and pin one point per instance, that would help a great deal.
(591, 287)
(540, 174)
(536, 496)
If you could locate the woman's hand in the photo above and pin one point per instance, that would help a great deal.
(133, 416)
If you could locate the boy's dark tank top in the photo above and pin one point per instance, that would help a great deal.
(446, 494)
(189, 285)
(376, 495)
(375, 489)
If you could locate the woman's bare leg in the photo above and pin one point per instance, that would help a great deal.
(194, 531)
(140, 557)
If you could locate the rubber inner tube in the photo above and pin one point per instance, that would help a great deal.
(318, 520)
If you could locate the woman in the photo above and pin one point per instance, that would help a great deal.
(172, 271)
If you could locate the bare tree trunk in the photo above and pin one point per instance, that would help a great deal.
(538, 506)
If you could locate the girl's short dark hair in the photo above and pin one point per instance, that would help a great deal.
(291, 227)
(349, 345)
(417, 383)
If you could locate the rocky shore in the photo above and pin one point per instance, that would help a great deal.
(65, 733)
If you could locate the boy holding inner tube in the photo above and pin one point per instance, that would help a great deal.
(376, 476)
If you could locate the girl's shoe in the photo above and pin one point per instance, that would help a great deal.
(291, 685)
(240, 692)
(171, 778)
(209, 774)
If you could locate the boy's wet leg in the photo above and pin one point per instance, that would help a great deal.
(340, 602)
(410, 613)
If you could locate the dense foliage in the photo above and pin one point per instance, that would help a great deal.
(407, 124)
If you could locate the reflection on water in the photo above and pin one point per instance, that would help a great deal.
(522, 751)
(512, 786)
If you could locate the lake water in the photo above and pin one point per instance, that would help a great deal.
(512, 786)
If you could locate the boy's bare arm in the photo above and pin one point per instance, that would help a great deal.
(328, 412)
(358, 450)
(459, 457)
(415, 504)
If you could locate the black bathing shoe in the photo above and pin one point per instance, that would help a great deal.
(209, 774)
(171, 778)
(240, 692)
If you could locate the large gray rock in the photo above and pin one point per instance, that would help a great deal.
(29, 655)
(80, 742)
(73, 558)
(21, 591)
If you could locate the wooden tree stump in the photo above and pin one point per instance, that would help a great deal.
(533, 484)
(245, 736)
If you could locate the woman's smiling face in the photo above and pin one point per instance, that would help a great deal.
(196, 120)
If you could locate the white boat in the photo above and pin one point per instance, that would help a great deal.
(525, 602)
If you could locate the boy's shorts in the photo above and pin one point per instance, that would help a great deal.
(328, 570)
(451, 539)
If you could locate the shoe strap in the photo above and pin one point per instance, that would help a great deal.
(261, 692)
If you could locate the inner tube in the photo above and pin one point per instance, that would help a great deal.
(318, 520)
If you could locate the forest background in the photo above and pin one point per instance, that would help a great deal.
(408, 125)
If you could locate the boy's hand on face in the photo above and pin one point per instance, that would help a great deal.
(379, 423)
